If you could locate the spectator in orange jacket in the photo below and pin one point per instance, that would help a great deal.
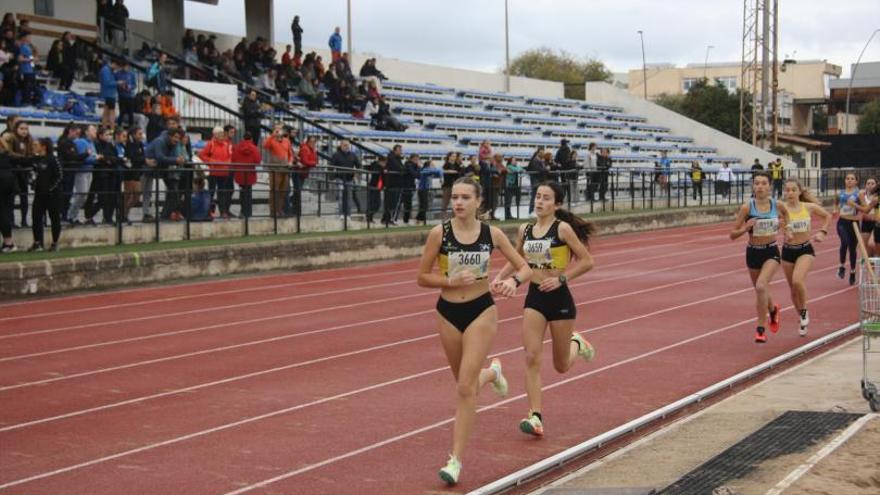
(166, 102)
(217, 154)
(280, 161)
(245, 156)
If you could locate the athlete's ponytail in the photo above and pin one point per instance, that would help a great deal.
(582, 228)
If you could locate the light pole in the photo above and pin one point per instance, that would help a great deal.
(506, 50)
(852, 77)
(706, 62)
(348, 34)
(644, 66)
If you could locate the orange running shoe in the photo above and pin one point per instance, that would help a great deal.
(774, 319)
(760, 336)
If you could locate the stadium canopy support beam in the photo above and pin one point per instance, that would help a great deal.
(168, 23)
(259, 19)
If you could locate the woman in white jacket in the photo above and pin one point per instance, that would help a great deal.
(723, 179)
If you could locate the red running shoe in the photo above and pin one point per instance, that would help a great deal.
(760, 336)
(774, 319)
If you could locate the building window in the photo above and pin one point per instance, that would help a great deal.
(727, 82)
(44, 7)
(688, 83)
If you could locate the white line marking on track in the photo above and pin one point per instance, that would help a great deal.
(277, 286)
(369, 388)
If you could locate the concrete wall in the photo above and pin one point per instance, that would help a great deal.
(64, 9)
(680, 125)
(259, 18)
(130, 269)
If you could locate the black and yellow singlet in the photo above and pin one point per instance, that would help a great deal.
(548, 252)
(456, 257)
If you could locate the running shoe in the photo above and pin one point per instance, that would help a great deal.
(532, 425)
(805, 318)
(585, 349)
(852, 278)
(760, 336)
(450, 472)
(841, 271)
(10, 248)
(499, 385)
(774, 319)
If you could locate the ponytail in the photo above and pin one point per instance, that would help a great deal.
(582, 228)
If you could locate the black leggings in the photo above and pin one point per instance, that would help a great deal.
(7, 204)
(48, 202)
(848, 241)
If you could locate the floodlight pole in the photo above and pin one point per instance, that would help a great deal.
(348, 34)
(706, 62)
(644, 66)
(506, 49)
(852, 77)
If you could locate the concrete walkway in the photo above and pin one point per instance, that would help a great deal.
(828, 382)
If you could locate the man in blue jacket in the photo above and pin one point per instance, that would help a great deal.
(335, 45)
(82, 182)
(166, 152)
(109, 91)
(126, 86)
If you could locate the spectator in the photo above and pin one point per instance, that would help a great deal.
(757, 167)
(499, 173)
(426, 174)
(297, 31)
(663, 174)
(451, 172)
(348, 163)
(512, 187)
(170, 157)
(109, 92)
(723, 179)
(245, 156)
(393, 181)
(104, 16)
(19, 146)
(119, 28)
(603, 169)
(385, 121)
(85, 148)
(590, 173)
(166, 103)
(105, 186)
(156, 124)
(132, 177)
(696, 180)
(8, 22)
(287, 57)
(189, 40)
(47, 193)
(371, 109)
(776, 169)
(537, 170)
(26, 69)
(55, 61)
(563, 161)
(335, 43)
(156, 75)
(127, 85)
(230, 131)
(369, 69)
(70, 161)
(408, 185)
(7, 200)
(485, 153)
(68, 61)
(375, 186)
(200, 201)
(252, 115)
(217, 154)
(280, 160)
(142, 106)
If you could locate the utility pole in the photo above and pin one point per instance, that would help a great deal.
(348, 34)
(506, 50)
(852, 78)
(775, 105)
(706, 62)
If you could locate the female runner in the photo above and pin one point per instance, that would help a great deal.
(797, 252)
(868, 200)
(847, 209)
(761, 217)
(555, 248)
(467, 315)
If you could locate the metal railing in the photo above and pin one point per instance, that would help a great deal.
(283, 198)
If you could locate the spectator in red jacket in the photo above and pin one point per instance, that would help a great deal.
(308, 155)
(217, 154)
(280, 160)
(245, 156)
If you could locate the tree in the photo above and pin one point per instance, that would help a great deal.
(710, 104)
(544, 63)
(820, 120)
(869, 121)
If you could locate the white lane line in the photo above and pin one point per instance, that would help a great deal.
(366, 389)
(327, 358)
(498, 404)
(821, 454)
(277, 286)
(302, 334)
(329, 308)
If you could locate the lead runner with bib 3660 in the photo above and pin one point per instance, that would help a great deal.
(467, 316)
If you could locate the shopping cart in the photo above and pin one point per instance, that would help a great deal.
(869, 314)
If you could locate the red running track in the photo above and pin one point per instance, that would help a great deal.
(334, 381)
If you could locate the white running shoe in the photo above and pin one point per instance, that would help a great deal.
(499, 385)
(532, 425)
(805, 320)
(450, 472)
(585, 349)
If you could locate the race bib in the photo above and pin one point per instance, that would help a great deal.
(766, 227)
(475, 262)
(537, 252)
(800, 226)
(846, 209)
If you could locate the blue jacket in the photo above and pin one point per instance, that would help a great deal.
(160, 149)
(201, 205)
(425, 175)
(108, 82)
(335, 42)
(27, 67)
(127, 90)
(83, 145)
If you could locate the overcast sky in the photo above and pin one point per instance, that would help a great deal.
(470, 33)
